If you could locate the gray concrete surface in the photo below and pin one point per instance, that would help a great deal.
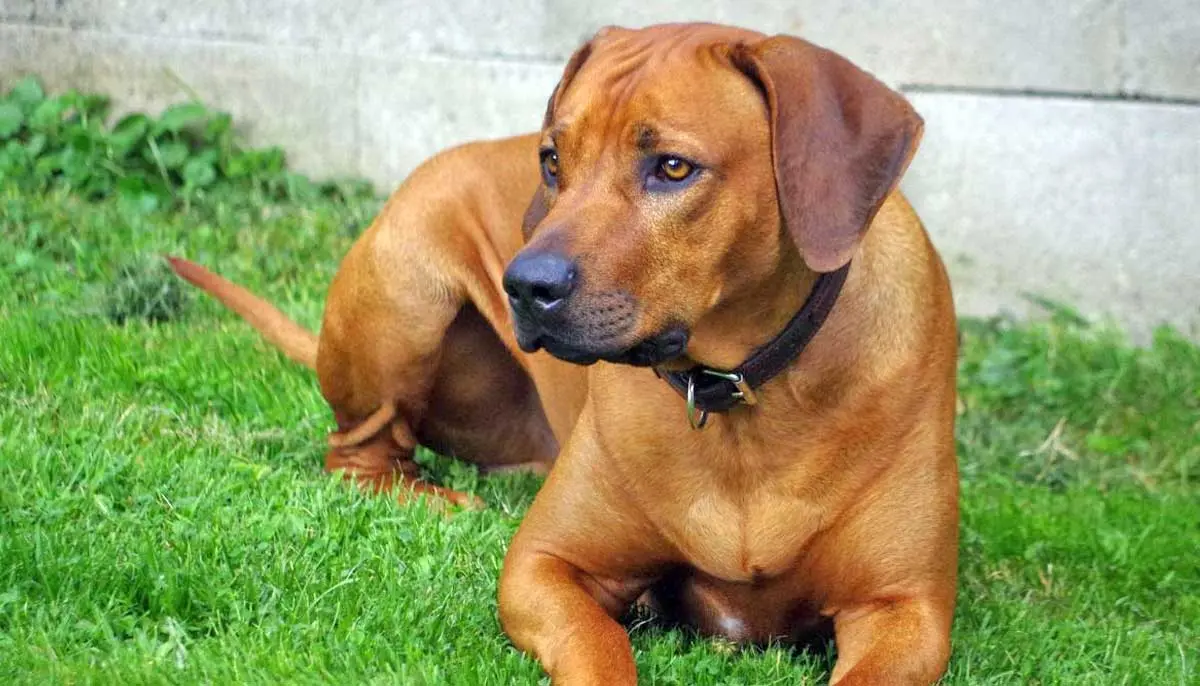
(1162, 48)
(1060, 156)
(1096, 207)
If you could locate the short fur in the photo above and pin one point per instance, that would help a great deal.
(832, 502)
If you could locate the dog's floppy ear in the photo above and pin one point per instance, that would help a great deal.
(841, 141)
(540, 204)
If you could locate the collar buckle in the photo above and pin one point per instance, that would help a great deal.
(766, 362)
(744, 394)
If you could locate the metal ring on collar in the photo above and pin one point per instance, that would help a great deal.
(697, 422)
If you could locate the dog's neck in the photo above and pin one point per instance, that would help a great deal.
(740, 325)
(708, 389)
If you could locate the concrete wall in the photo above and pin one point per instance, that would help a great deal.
(1062, 148)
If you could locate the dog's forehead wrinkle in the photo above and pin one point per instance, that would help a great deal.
(670, 38)
(610, 110)
(645, 136)
(621, 74)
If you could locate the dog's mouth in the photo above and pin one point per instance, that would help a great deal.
(595, 327)
(648, 352)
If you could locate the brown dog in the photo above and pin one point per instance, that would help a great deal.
(720, 206)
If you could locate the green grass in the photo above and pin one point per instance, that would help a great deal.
(164, 517)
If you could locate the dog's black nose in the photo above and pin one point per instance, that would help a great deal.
(539, 281)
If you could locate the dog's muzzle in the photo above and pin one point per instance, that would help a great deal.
(550, 312)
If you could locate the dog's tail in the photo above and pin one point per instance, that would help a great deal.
(296, 342)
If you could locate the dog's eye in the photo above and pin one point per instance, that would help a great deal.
(673, 169)
(549, 166)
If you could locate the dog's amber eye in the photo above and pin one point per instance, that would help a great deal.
(674, 168)
(549, 165)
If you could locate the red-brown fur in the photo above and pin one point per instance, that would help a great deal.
(833, 500)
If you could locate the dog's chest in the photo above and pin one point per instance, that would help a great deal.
(753, 535)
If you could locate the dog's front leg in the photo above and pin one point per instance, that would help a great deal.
(564, 618)
(901, 641)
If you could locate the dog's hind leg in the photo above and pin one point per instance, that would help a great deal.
(406, 354)
(380, 348)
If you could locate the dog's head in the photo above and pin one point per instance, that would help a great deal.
(682, 166)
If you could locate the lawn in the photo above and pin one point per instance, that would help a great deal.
(164, 517)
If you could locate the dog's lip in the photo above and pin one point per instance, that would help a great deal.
(568, 353)
(529, 344)
(653, 350)
(556, 348)
(668, 344)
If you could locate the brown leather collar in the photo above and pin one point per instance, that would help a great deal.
(714, 390)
